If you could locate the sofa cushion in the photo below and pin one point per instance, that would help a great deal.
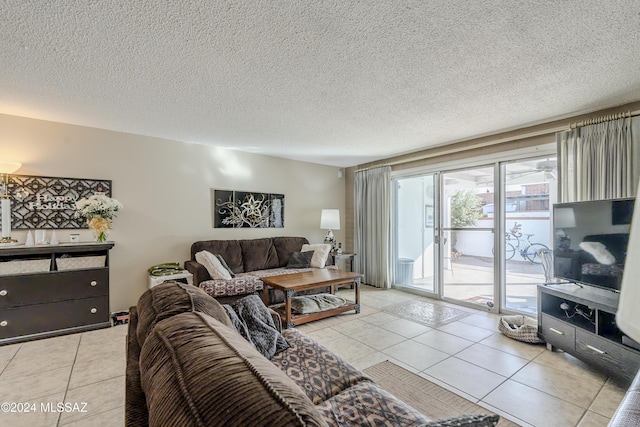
(259, 254)
(230, 250)
(285, 246)
(171, 298)
(243, 283)
(366, 404)
(210, 375)
(318, 371)
(320, 254)
(213, 265)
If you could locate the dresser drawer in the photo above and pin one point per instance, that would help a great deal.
(608, 354)
(53, 286)
(39, 318)
(557, 333)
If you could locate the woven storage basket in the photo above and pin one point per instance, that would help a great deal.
(80, 262)
(520, 328)
(25, 266)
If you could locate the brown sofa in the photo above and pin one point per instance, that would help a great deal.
(249, 259)
(186, 365)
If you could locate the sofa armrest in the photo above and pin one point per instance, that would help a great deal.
(628, 413)
(200, 274)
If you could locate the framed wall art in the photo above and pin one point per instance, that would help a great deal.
(45, 202)
(246, 209)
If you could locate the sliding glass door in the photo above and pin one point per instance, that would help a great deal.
(530, 189)
(467, 243)
(415, 219)
(473, 236)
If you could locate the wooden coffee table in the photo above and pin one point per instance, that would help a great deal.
(290, 283)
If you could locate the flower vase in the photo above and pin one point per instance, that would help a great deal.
(100, 227)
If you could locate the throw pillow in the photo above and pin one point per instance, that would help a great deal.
(213, 265)
(300, 259)
(224, 264)
(320, 254)
(599, 252)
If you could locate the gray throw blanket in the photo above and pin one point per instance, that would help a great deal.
(253, 321)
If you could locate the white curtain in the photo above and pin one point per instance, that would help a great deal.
(599, 161)
(372, 225)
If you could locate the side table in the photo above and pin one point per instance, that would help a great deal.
(344, 256)
(183, 276)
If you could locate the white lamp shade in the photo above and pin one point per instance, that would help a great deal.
(330, 219)
(628, 315)
(564, 218)
(9, 167)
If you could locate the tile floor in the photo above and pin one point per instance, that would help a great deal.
(525, 383)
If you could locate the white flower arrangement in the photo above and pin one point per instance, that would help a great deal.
(97, 205)
(98, 210)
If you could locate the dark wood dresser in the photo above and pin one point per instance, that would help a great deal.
(53, 290)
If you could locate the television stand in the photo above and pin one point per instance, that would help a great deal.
(581, 322)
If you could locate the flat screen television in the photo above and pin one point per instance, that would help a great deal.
(590, 241)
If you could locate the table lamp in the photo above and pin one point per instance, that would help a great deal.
(330, 220)
(6, 169)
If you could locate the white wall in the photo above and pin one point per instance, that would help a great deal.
(165, 187)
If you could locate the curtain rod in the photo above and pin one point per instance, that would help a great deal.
(443, 152)
(606, 118)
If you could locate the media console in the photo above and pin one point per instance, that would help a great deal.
(581, 321)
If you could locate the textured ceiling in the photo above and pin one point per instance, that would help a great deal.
(331, 82)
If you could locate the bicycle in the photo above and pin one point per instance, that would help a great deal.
(529, 252)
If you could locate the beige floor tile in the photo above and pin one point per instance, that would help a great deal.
(406, 328)
(466, 331)
(416, 355)
(379, 318)
(508, 345)
(394, 296)
(366, 310)
(575, 389)
(378, 357)
(591, 419)
(35, 385)
(492, 359)
(99, 397)
(349, 348)
(486, 321)
(112, 418)
(567, 363)
(352, 326)
(505, 415)
(325, 335)
(50, 345)
(464, 376)
(610, 396)
(443, 341)
(96, 370)
(377, 302)
(376, 337)
(29, 362)
(38, 412)
(533, 406)
(91, 347)
(8, 351)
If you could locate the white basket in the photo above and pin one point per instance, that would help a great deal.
(80, 262)
(25, 266)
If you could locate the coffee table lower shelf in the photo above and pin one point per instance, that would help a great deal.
(299, 319)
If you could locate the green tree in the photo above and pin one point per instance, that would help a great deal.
(465, 211)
